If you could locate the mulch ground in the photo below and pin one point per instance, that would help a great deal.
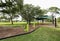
(46, 25)
(10, 31)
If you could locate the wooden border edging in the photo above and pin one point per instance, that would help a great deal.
(20, 34)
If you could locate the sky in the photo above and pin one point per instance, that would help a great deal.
(43, 3)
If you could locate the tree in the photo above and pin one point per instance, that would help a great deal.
(11, 7)
(29, 11)
(8, 8)
(26, 13)
(20, 4)
(2, 5)
(54, 10)
(44, 11)
(40, 15)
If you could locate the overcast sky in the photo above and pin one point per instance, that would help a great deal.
(43, 3)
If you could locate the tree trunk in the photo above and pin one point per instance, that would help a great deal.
(28, 22)
(52, 19)
(11, 20)
(42, 20)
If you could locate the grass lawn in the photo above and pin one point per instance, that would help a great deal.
(15, 23)
(18, 23)
(41, 34)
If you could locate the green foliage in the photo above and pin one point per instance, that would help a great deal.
(12, 7)
(29, 11)
(54, 9)
(20, 4)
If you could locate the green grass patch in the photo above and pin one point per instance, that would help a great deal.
(14, 24)
(41, 34)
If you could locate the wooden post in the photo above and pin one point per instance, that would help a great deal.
(55, 22)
